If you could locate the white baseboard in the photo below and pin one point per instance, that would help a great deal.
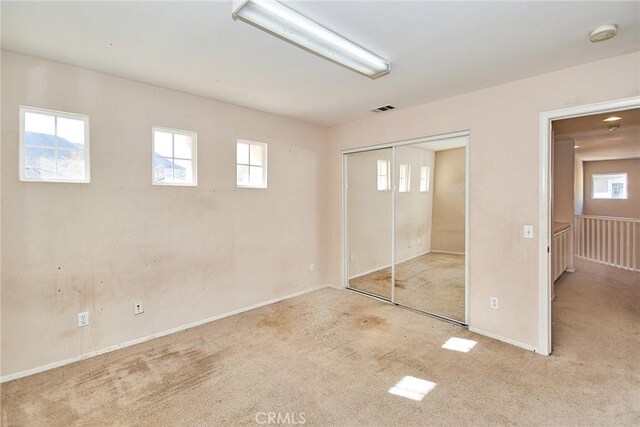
(387, 266)
(447, 252)
(109, 349)
(506, 340)
(370, 271)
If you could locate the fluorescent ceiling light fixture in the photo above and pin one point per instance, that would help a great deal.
(412, 388)
(282, 22)
(612, 119)
(459, 344)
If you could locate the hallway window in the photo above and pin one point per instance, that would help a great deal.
(609, 186)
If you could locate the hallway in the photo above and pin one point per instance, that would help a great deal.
(596, 319)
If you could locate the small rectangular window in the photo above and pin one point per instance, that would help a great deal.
(54, 146)
(609, 186)
(174, 157)
(384, 176)
(251, 164)
(404, 184)
(424, 178)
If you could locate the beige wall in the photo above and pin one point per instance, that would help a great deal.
(448, 201)
(188, 253)
(504, 178)
(563, 181)
(629, 208)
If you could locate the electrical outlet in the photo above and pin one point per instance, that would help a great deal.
(495, 303)
(312, 268)
(83, 319)
(528, 231)
(137, 308)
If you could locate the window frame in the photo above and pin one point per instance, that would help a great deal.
(265, 163)
(23, 109)
(194, 159)
(407, 178)
(426, 179)
(387, 175)
(626, 185)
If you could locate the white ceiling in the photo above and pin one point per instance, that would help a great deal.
(595, 142)
(437, 49)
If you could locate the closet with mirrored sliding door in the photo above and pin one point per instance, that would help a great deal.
(406, 223)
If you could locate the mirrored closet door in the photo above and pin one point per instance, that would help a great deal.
(369, 221)
(406, 224)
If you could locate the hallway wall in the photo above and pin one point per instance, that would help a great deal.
(563, 181)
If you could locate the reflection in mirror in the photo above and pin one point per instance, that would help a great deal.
(430, 228)
(369, 220)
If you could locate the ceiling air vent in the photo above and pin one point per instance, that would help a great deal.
(382, 109)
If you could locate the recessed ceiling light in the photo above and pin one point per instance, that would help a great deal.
(603, 32)
(287, 24)
(612, 119)
(576, 146)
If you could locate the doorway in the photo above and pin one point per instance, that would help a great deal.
(556, 250)
(405, 224)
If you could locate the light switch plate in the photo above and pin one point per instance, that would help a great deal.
(528, 231)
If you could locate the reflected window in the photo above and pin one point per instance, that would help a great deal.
(384, 175)
(404, 184)
(425, 171)
(54, 146)
(251, 164)
(174, 157)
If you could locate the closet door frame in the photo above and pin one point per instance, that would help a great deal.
(345, 232)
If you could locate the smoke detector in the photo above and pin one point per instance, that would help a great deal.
(603, 32)
(382, 109)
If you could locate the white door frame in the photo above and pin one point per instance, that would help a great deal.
(345, 243)
(545, 279)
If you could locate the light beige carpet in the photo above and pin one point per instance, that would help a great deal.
(433, 282)
(334, 355)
